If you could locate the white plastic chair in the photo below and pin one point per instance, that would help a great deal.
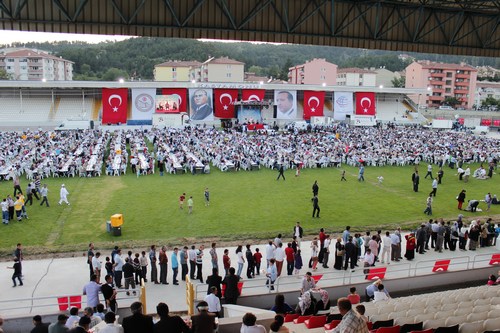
(451, 321)
(434, 323)
(424, 317)
(481, 308)
(476, 316)
(475, 327)
(491, 324)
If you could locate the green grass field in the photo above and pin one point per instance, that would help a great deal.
(244, 205)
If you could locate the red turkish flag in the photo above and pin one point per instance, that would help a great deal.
(180, 94)
(114, 105)
(365, 103)
(253, 94)
(224, 102)
(314, 101)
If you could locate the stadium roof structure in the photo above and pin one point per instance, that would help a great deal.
(8, 84)
(463, 27)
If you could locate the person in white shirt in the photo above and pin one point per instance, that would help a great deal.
(326, 251)
(280, 257)
(63, 195)
(73, 318)
(270, 249)
(92, 289)
(381, 294)
(213, 302)
(249, 325)
(111, 327)
(386, 249)
(96, 265)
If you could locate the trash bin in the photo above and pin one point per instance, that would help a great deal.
(108, 226)
(117, 231)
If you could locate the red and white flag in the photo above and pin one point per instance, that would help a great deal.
(179, 94)
(365, 103)
(114, 105)
(314, 102)
(253, 94)
(224, 102)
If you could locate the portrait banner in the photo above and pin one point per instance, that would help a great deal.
(342, 105)
(143, 103)
(201, 104)
(286, 104)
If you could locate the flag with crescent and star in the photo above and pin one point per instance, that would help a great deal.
(224, 102)
(314, 102)
(114, 105)
(175, 94)
(256, 95)
(365, 103)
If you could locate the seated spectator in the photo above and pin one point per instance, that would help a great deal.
(111, 326)
(203, 321)
(73, 318)
(492, 280)
(353, 296)
(370, 290)
(306, 304)
(360, 308)
(351, 320)
(494, 200)
(94, 320)
(40, 327)
(167, 323)
(100, 311)
(249, 325)
(277, 325)
(324, 302)
(280, 306)
(82, 327)
(381, 294)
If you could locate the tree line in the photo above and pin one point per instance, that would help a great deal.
(135, 58)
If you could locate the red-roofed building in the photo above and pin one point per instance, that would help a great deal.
(35, 65)
(316, 71)
(442, 80)
(356, 77)
(220, 69)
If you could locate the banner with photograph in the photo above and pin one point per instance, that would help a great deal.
(171, 100)
(200, 105)
(143, 103)
(286, 104)
(114, 105)
(314, 102)
(342, 105)
(224, 102)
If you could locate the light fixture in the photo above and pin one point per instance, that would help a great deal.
(323, 84)
(381, 86)
(44, 80)
(261, 82)
(121, 80)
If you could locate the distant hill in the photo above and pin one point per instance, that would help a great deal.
(136, 57)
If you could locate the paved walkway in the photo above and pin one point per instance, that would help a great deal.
(48, 278)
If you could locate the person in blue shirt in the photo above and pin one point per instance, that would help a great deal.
(175, 266)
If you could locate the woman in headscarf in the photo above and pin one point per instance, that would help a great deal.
(339, 254)
(306, 305)
(324, 302)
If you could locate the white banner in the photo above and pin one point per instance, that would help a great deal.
(364, 120)
(343, 105)
(143, 104)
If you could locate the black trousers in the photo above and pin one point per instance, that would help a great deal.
(184, 271)
(192, 265)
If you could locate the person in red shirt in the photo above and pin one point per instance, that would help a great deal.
(257, 258)
(289, 252)
(353, 296)
(226, 261)
(181, 200)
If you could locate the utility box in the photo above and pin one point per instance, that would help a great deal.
(116, 220)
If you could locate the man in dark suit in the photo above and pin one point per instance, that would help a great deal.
(416, 180)
(40, 327)
(137, 322)
(201, 109)
(203, 322)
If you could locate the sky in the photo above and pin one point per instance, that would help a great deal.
(9, 37)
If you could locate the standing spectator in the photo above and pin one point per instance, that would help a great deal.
(421, 237)
(17, 272)
(257, 259)
(91, 289)
(350, 254)
(183, 256)
(297, 262)
(128, 273)
(272, 274)
(190, 205)
(410, 246)
(298, 232)
(339, 254)
(213, 256)
(213, 301)
(280, 256)
(270, 252)
(143, 261)
(321, 237)
(96, 265)
(44, 192)
(154, 269)
(214, 280)
(415, 178)
(386, 250)
(90, 256)
(289, 253)
(109, 294)
(250, 262)
(241, 259)
(231, 282)
(118, 268)
(461, 198)
(175, 266)
(163, 259)
(326, 251)
(316, 209)
(226, 261)
(361, 173)
(136, 262)
(395, 247)
(440, 237)
(199, 263)
(5, 211)
(206, 194)
(63, 195)
(314, 253)
(192, 261)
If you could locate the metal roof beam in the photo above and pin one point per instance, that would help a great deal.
(19, 7)
(79, 9)
(253, 13)
(192, 11)
(136, 12)
(172, 11)
(5, 9)
(63, 10)
(223, 6)
(283, 18)
(303, 18)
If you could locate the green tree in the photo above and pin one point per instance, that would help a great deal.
(491, 101)
(452, 101)
(114, 74)
(398, 82)
(4, 75)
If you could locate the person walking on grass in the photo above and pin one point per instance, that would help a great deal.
(63, 194)
(428, 209)
(190, 205)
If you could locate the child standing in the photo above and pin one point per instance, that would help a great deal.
(298, 262)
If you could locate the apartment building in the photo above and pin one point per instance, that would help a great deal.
(35, 65)
(220, 69)
(356, 77)
(175, 71)
(316, 71)
(442, 80)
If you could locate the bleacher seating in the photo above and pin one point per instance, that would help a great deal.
(73, 108)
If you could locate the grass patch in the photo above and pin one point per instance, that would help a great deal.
(244, 205)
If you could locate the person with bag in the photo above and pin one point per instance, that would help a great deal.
(339, 254)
